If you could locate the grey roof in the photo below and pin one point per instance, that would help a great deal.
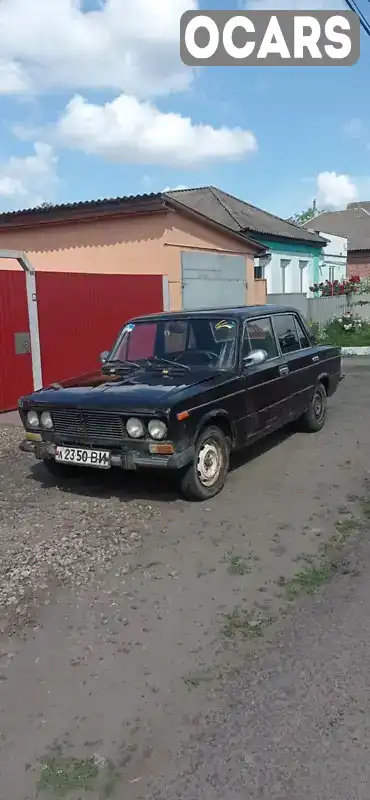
(239, 216)
(353, 223)
(68, 210)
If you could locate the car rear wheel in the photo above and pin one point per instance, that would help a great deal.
(314, 418)
(61, 471)
(206, 475)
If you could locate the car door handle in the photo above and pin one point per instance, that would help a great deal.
(316, 358)
(284, 370)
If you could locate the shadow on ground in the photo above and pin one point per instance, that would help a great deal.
(145, 484)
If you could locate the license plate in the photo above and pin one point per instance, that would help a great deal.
(83, 458)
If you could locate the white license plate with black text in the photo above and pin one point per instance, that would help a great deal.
(83, 458)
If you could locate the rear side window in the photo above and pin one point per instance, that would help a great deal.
(286, 332)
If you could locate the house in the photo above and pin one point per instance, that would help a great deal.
(207, 259)
(333, 263)
(292, 254)
(353, 223)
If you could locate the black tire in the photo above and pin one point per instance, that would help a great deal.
(61, 471)
(194, 483)
(314, 418)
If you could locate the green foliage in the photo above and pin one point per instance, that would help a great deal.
(305, 216)
(345, 331)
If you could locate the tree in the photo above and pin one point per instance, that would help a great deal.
(305, 216)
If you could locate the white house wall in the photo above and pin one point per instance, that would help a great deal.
(292, 283)
(333, 265)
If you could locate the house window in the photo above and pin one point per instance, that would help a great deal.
(259, 271)
(260, 267)
(302, 267)
(331, 274)
(284, 263)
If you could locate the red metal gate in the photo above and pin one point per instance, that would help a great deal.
(15, 349)
(80, 315)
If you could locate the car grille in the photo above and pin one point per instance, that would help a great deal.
(88, 426)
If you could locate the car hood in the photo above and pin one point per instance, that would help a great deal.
(142, 390)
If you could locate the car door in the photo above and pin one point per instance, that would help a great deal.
(301, 359)
(265, 384)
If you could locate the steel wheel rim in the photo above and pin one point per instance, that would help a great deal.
(318, 406)
(209, 463)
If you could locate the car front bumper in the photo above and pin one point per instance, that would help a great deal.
(127, 460)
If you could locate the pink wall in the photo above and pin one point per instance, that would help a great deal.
(133, 245)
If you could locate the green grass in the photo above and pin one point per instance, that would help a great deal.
(60, 776)
(239, 565)
(310, 579)
(348, 525)
(241, 623)
(334, 334)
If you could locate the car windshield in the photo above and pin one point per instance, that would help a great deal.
(189, 342)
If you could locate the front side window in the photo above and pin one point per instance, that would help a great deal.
(191, 341)
(259, 335)
(286, 332)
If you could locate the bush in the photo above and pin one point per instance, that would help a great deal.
(335, 288)
(345, 331)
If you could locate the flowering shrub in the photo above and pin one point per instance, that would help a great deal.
(364, 286)
(330, 288)
(347, 330)
(349, 322)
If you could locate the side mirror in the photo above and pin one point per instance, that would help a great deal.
(103, 356)
(255, 358)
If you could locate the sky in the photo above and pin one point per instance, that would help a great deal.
(95, 102)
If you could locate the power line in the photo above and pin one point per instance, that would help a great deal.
(352, 5)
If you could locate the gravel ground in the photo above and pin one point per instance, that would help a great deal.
(298, 722)
(125, 610)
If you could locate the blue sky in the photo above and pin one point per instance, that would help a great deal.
(88, 105)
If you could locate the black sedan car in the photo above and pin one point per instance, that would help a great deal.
(181, 391)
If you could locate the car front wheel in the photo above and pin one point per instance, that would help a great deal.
(314, 418)
(206, 475)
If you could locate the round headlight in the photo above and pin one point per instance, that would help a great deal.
(157, 429)
(32, 419)
(46, 420)
(135, 428)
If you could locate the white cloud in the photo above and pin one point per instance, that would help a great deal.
(126, 130)
(335, 191)
(29, 180)
(174, 188)
(127, 45)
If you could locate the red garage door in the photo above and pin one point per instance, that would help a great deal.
(15, 351)
(80, 315)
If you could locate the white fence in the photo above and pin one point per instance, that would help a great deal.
(323, 309)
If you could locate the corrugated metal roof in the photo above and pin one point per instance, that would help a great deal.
(80, 205)
(239, 216)
(353, 223)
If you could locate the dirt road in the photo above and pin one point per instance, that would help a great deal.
(127, 613)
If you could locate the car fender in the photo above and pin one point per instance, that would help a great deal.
(212, 415)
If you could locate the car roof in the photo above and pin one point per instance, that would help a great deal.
(243, 312)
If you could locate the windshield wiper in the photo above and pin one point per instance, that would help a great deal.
(118, 362)
(156, 361)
